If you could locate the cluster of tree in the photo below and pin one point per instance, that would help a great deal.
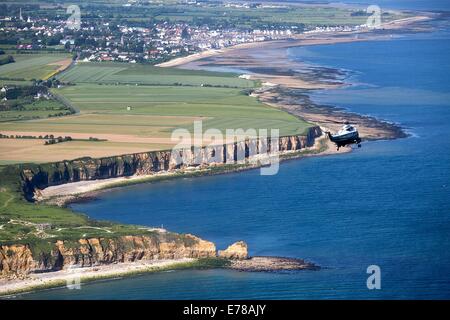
(360, 13)
(9, 37)
(49, 83)
(13, 9)
(50, 137)
(6, 60)
(5, 136)
(363, 13)
(60, 114)
(17, 92)
(53, 140)
(59, 139)
(28, 98)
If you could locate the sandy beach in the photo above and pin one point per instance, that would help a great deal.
(300, 40)
(205, 54)
(67, 192)
(76, 276)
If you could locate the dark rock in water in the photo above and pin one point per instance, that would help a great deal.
(267, 264)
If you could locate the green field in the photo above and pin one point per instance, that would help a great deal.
(6, 82)
(133, 108)
(307, 15)
(218, 15)
(104, 106)
(155, 111)
(222, 107)
(19, 220)
(32, 66)
(125, 73)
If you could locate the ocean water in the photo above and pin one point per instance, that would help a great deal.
(386, 204)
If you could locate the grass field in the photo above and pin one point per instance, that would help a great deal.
(308, 15)
(155, 112)
(133, 107)
(33, 66)
(4, 82)
(216, 14)
(125, 73)
(19, 220)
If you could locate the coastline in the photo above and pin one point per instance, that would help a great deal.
(75, 278)
(64, 194)
(276, 95)
(301, 40)
(281, 89)
(47, 280)
(287, 84)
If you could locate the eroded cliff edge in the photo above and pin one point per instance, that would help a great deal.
(23, 259)
(38, 177)
(47, 251)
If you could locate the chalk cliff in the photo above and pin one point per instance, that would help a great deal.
(41, 176)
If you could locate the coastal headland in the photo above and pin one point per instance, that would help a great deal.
(72, 264)
(49, 261)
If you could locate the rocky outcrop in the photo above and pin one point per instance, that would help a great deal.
(20, 259)
(35, 177)
(271, 264)
(16, 259)
(238, 251)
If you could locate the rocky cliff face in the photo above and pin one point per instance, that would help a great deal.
(16, 259)
(20, 260)
(41, 176)
(237, 250)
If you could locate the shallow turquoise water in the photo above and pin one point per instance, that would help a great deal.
(386, 204)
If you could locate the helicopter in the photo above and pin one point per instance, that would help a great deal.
(346, 136)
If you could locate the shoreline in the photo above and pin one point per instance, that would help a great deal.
(287, 83)
(75, 276)
(284, 95)
(302, 39)
(64, 194)
(329, 118)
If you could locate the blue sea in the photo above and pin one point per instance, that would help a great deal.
(386, 204)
